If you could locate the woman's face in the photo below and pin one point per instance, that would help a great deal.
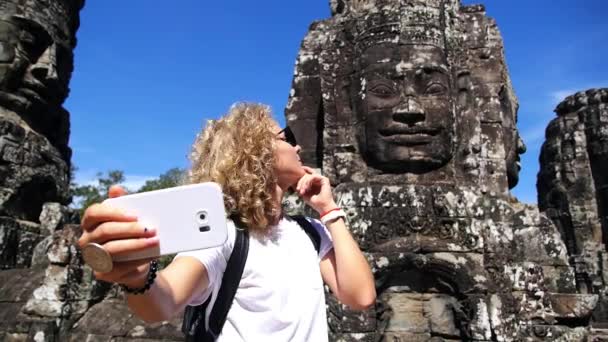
(288, 165)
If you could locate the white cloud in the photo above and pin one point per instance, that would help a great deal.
(559, 95)
(534, 134)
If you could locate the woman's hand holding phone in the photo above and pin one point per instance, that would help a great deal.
(119, 234)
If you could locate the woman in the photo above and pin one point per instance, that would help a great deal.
(280, 296)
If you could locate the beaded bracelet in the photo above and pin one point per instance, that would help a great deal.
(149, 280)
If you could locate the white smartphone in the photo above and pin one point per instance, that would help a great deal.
(186, 218)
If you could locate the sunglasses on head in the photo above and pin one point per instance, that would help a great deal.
(290, 138)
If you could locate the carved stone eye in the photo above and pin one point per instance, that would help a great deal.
(382, 90)
(435, 89)
(7, 53)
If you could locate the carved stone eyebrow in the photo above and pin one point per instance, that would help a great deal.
(401, 67)
(435, 67)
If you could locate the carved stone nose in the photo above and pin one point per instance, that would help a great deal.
(409, 111)
(44, 69)
(45, 72)
(521, 146)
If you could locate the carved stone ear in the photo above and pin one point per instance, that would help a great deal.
(463, 80)
(463, 88)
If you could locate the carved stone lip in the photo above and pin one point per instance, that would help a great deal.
(33, 89)
(407, 130)
(410, 139)
(409, 135)
(30, 94)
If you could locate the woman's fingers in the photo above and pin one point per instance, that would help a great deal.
(116, 191)
(124, 271)
(315, 190)
(119, 230)
(313, 182)
(118, 248)
(99, 212)
(306, 184)
(300, 184)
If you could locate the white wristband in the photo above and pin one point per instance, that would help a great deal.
(332, 216)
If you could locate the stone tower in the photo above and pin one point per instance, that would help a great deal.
(40, 270)
(573, 189)
(407, 106)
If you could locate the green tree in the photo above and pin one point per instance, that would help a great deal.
(87, 194)
(173, 177)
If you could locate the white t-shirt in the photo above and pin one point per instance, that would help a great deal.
(280, 296)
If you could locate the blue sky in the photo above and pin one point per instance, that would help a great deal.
(148, 75)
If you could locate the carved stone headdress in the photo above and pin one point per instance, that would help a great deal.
(59, 18)
(406, 22)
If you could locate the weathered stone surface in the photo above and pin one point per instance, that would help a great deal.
(15, 337)
(358, 337)
(16, 287)
(38, 37)
(112, 318)
(47, 300)
(39, 254)
(573, 187)
(407, 106)
(52, 216)
(347, 320)
(18, 240)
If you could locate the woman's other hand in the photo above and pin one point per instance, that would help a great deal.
(316, 191)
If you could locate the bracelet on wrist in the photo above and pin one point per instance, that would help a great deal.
(332, 215)
(329, 211)
(149, 280)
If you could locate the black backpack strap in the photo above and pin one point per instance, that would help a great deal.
(230, 283)
(310, 230)
(193, 325)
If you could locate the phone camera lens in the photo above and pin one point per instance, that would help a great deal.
(202, 217)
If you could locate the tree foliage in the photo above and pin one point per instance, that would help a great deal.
(86, 194)
(169, 179)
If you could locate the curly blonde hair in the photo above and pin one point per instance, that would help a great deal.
(237, 152)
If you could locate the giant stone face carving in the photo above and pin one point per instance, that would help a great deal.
(514, 145)
(36, 61)
(405, 102)
(407, 106)
(20, 46)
